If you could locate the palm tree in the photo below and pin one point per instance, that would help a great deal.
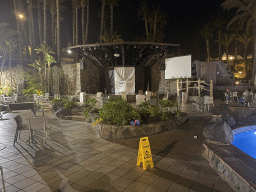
(31, 30)
(111, 38)
(144, 11)
(45, 20)
(226, 40)
(87, 23)
(245, 39)
(245, 14)
(47, 53)
(83, 4)
(102, 19)
(39, 21)
(6, 34)
(218, 24)
(58, 32)
(206, 33)
(112, 3)
(11, 45)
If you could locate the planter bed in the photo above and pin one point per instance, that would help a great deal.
(75, 118)
(114, 132)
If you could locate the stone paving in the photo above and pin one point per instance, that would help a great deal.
(76, 159)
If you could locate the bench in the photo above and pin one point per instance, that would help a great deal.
(18, 120)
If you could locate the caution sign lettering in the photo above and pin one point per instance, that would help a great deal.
(144, 154)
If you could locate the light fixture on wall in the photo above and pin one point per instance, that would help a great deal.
(116, 54)
(106, 55)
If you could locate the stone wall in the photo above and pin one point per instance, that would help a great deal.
(69, 78)
(158, 81)
(13, 77)
(90, 81)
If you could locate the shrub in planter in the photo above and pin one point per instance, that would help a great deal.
(89, 107)
(117, 112)
(70, 105)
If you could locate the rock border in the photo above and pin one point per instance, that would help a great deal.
(115, 133)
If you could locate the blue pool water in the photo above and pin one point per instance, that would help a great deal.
(246, 141)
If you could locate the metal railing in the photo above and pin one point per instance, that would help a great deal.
(200, 86)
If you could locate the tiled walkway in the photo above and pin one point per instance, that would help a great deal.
(76, 159)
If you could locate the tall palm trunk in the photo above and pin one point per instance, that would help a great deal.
(87, 23)
(29, 2)
(245, 60)
(236, 51)
(208, 50)
(83, 20)
(53, 25)
(39, 22)
(76, 25)
(112, 18)
(226, 47)
(146, 24)
(102, 19)
(219, 33)
(16, 8)
(33, 27)
(45, 28)
(10, 64)
(3, 61)
(58, 33)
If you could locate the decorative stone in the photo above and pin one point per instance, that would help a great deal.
(219, 131)
(64, 112)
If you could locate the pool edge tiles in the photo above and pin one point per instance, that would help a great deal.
(244, 129)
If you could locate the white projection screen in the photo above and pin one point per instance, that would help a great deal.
(124, 80)
(178, 67)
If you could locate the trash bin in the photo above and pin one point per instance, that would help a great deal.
(184, 97)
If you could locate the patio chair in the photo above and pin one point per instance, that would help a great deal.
(46, 97)
(235, 95)
(148, 95)
(198, 104)
(35, 96)
(37, 125)
(207, 102)
(248, 100)
(18, 120)
(15, 98)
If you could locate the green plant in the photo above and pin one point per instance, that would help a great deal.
(154, 110)
(178, 112)
(89, 106)
(33, 87)
(117, 112)
(10, 91)
(166, 116)
(70, 104)
(56, 100)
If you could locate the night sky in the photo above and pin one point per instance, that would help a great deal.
(184, 19)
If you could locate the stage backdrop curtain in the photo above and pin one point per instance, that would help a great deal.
(124, 80)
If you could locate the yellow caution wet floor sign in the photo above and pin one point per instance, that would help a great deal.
(144, 154)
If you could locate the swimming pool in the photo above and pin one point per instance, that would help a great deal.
(245, 140)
